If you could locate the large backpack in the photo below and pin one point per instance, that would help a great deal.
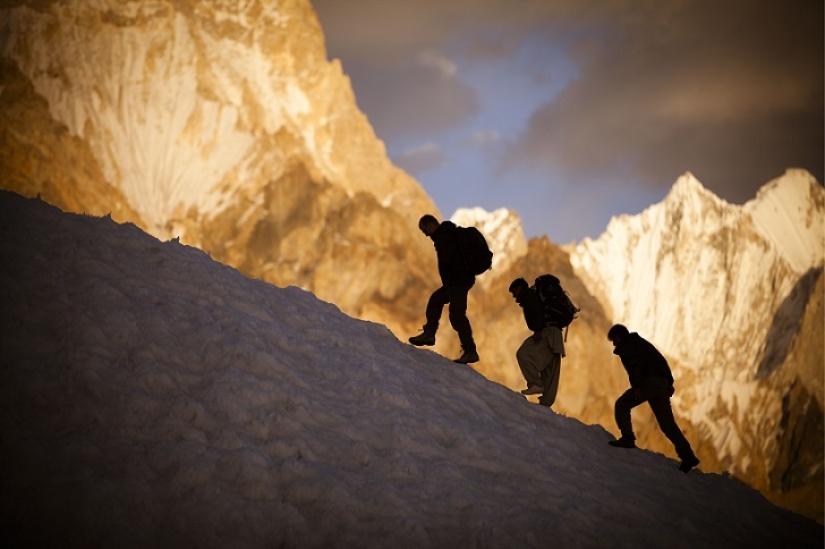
(558, 309)
(473, 246)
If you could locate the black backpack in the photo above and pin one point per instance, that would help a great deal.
(473, 246)
(558, 309)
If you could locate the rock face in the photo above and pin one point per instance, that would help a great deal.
(221, 124)
(734, 295)
(226, 126)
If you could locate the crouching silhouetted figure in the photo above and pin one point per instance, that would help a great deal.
(651, 381)
(539, 356)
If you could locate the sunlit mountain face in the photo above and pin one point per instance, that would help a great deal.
(228, 129)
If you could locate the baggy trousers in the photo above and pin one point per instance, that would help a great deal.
(540, 362)
(456, 296)
(656, 391)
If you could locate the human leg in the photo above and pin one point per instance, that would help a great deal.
(435, 306)
(663, 412)
(457, 298)
(532, 357)
(621, 411)
(550, 380)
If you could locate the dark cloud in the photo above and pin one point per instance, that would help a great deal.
(383, 31)
(732, 91)
(390, 50)
(413, 98)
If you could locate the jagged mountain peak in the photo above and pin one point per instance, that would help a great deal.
(695, 205)
(722, 290)
(503, 230)
(187, 105)
(789, 211)
(688, 184)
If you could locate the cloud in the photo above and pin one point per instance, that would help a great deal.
(421, 159)
(436, 61)
(485, 137)
(413, 99)
(731, 91)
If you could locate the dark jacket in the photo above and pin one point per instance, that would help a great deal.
(641, 359)
(451, 266)
(533, 308)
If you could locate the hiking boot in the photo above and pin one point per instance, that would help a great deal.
(623, 443)
(688, 463)
(532, 390)
(467, 357)
(424, 338)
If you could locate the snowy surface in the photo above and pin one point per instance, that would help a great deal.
(788, 211)
(152, 397)
(653, 268)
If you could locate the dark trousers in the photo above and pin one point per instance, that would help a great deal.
(456, 296)
(657, 393)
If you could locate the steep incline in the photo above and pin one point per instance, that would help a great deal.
(152, 397)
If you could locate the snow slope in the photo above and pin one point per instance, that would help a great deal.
(153, 397)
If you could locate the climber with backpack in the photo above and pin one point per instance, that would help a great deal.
(462, 254)
(547, 311)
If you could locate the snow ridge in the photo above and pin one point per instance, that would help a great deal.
(654, 269)
(153, 397)
(788, 211)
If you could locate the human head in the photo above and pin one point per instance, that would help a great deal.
(517, 286)
(616, 333)
(428, 224)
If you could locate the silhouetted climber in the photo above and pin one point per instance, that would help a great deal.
(456, 281)
(539, 356)
(651, 381)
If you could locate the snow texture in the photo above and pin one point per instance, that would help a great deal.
(788, 211)
(152, 397)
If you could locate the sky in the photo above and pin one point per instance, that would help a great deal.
(152, 397)
(572, 112)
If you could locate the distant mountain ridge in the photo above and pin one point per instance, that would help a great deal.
(734, 295)
(503, 231)
(694, 262)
